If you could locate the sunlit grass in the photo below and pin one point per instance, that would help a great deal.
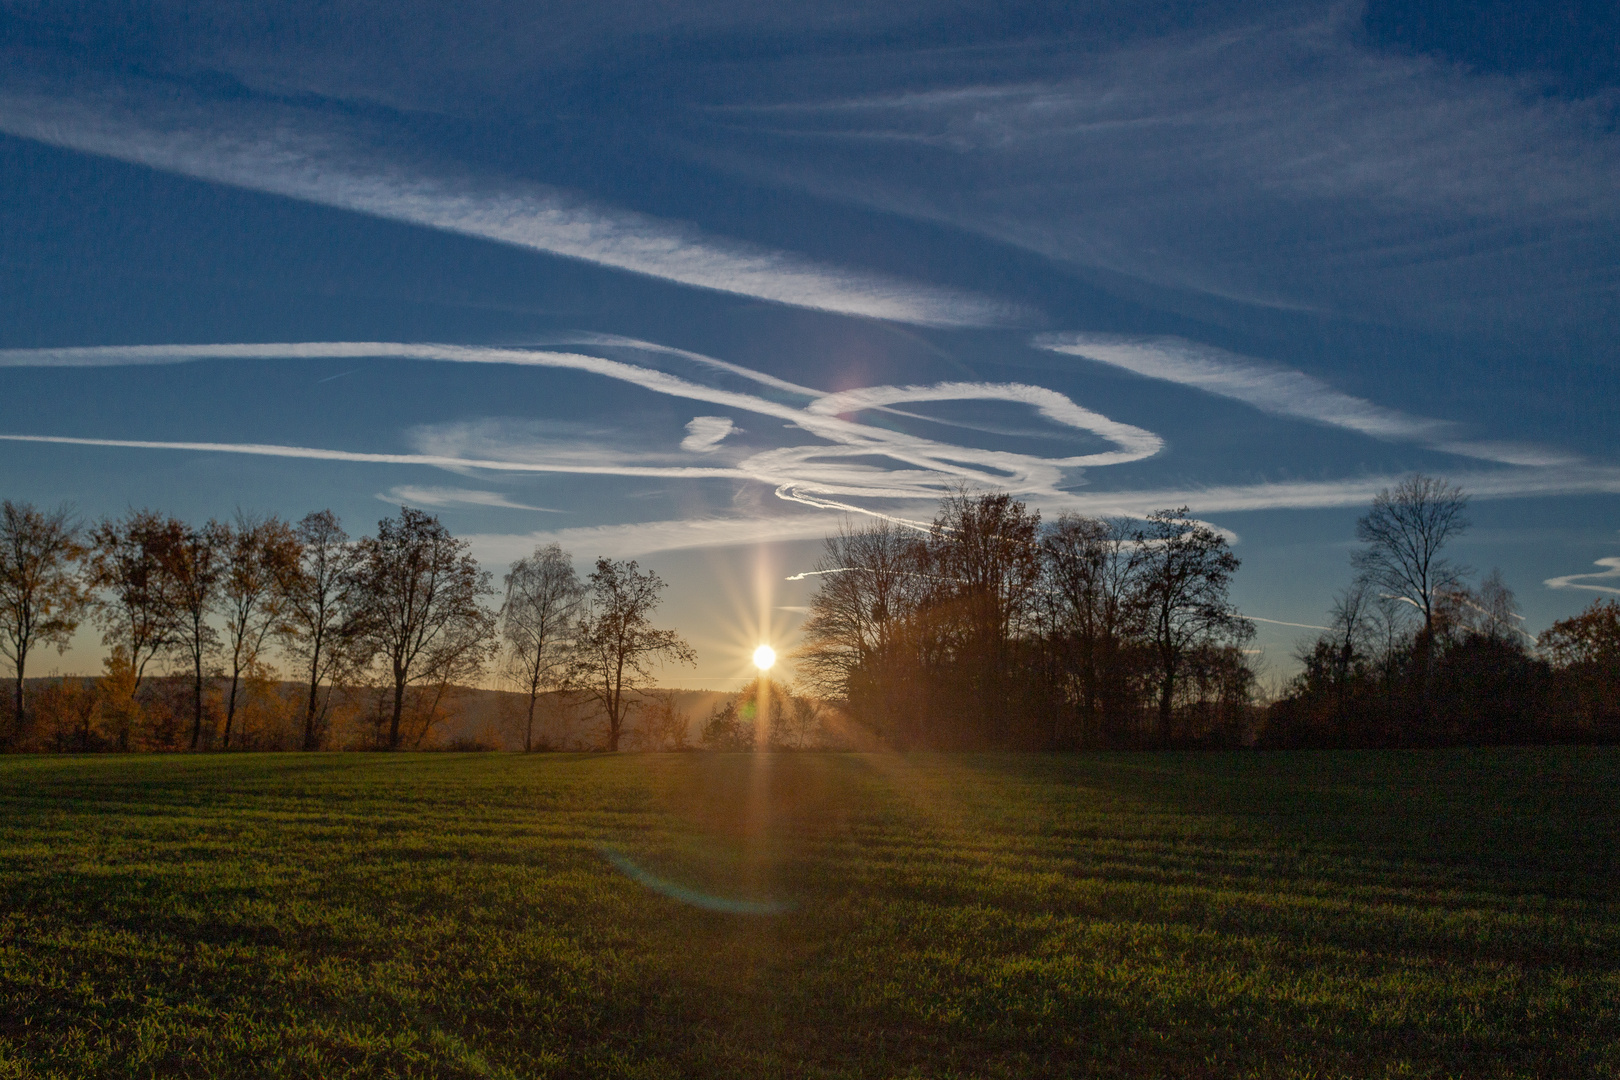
(1400, 914)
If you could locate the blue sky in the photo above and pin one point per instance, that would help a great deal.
(692, 282)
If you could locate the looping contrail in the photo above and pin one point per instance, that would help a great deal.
(826, 474)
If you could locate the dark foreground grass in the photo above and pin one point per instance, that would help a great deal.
(1333, 914)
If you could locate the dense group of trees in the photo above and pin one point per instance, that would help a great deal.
(380, 632)
(1418, 656)
(990, 630)
(994, 630)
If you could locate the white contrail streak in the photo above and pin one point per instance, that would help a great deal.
(814, 474)
(802, 574)
(1134, 443)
(1611, 571)
(1279, 622)
(443, 496)
(436, 460)
(641, 538)
(827, 474)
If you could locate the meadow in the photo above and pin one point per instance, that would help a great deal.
(1323, 914)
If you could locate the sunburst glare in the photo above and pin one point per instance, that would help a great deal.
(764, 657)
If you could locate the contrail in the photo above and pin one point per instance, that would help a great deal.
(436, 460)
(1279, 622)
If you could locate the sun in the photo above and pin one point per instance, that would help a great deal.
(764, 657)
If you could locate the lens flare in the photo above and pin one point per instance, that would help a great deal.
(764, 657)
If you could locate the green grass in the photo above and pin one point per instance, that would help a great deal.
(1310, 915)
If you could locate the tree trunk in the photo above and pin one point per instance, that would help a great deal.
(196, 700)
(399, 709)
(230, 708)
(309, 711)
(615, 702)
(1167, 692)
(22, 660)
(528, 731)
(17, 717)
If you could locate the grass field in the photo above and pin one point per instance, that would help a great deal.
(1331, 914)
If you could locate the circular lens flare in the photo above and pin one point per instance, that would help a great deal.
(764, 657)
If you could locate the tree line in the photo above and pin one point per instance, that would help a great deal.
(385, 629)
(1417, 654)
(993, 630)
(988, 628)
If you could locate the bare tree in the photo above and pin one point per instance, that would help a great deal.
(419, 594)
(616, 642)
(41, 596)
(1091, 567)
(1186, 572)
(457, 662)
(315, 588)
(983, 575)
(193, 561)
(1354, 619)
(1405, 533)
(137, 609)
(854, 638)
(1493, 612)
(543, 601)
(797, 726)
(661, 723)
(259, 553)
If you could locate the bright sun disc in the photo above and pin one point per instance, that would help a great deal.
(764, 657)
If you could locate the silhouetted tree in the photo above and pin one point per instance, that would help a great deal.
(1094, 620)
(543, 602)
(616, 642)
(258, 554)
(1185, 574)
(1405, 534)
(41, 595)
(1585, 654)
(419, 595)
(868, 586)
(136, 604)
(982, 575)
(316, 590)
(193, 561)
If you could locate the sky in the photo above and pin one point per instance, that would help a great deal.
(696, 282)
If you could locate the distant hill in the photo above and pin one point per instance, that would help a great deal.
(471, 718)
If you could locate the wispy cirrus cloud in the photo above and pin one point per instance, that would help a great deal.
(1280, 391)
(1507, 483)
(1267, 387)
(304, 154)
(1283, 164)
(447, 496)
